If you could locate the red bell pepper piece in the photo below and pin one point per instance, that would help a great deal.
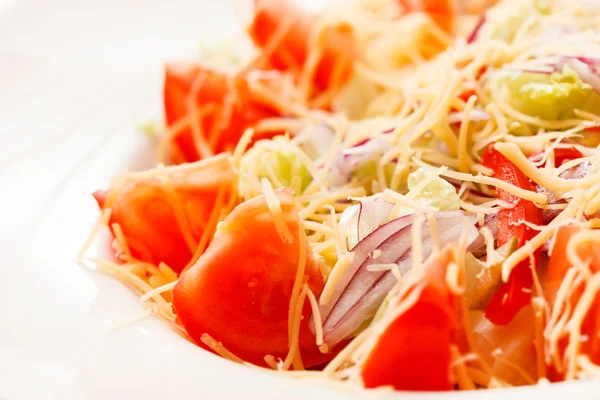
(516, 293)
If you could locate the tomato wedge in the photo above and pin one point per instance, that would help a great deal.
(239, 291)
(413, 353)
(516, 293)
(268, 15)
(557, 269)
(179, 78)
(336, 42)
(148, 219)
(222, 126)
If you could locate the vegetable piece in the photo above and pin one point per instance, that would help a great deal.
(509, 349)
(177, 87)
(336, 42)
(549, 96)
(335, 66)
(516, 293)
(483, 281)
(360, 291)
(413, 353)
(585, 73)
(361, 219)
(272, 160)
(226, 106)
(146, 211)
(557, 269)
(475, 32)
(268, 16)
(561, 155)
(438, 193)
(357, 160)
(239, 291)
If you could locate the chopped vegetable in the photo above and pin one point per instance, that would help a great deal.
(244, 305)
(281, 167)
(483, 281)
(438, 193)
(516, 293)
(152, 213)
(559, 265)
(359, 220)
(222, 113)
(336, 42)
(360, 291)
(413, 353)
(548, 96)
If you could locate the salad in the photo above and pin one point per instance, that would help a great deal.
(388, 193)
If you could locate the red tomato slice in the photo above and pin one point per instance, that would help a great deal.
(339, 51)
(179, 79)
(337, 42)
(215, 88)
(239, 291)
(516, 293)
(268, 14)
(148, 220)
(413, 353)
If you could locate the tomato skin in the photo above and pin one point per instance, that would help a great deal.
(413, 353)
(148, 221)
(239, 290)
(516, 293)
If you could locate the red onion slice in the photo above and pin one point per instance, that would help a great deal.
(373, 213)
(361, 219)
(473, 36)
(585, 73)
(348, 160)
(360, 291)
(362, 251)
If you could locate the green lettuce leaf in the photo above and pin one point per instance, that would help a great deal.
(551, 97)
(438, 193)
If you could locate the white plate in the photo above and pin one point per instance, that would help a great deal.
(75, 79)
